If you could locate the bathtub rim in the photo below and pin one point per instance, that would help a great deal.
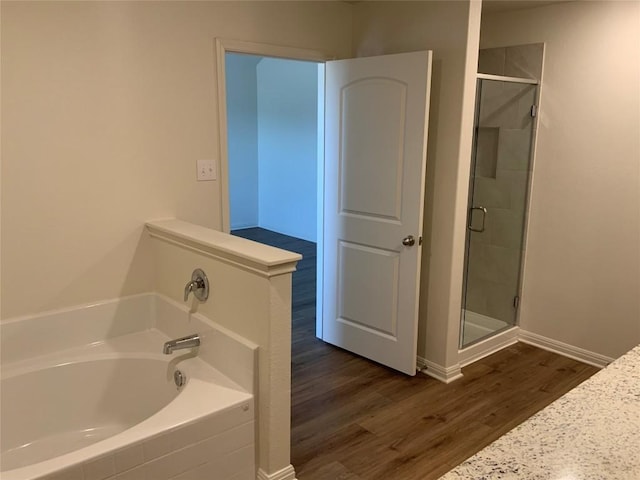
(82, 366)
(236, 377)
(185, 409)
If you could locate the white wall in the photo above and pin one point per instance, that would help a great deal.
(287, 146)
(242, 141)
(582, 267)
(451, 30)
(106, 106)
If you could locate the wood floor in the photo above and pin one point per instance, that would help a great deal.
(355, 420)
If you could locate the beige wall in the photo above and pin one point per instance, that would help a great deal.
(451, 30)
(582, 267)
(106, 106)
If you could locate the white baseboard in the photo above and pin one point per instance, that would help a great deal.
(287, 473)
(565, 349)
(504, 339)
(444, 374)
(484, 348)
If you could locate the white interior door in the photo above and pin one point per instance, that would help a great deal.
(375, 152)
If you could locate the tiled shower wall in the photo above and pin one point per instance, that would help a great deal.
(523, 61)
(501, 180)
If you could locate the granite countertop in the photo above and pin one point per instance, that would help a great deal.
(592, 432)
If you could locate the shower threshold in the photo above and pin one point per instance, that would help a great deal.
(477, 326)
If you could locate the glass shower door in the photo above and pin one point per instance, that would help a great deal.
(497, 207)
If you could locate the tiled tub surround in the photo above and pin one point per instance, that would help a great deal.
(589, 433)
(107, 373)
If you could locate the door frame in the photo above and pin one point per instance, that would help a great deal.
(222, 47)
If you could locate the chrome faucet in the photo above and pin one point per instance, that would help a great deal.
(199, 285)
(189, 341)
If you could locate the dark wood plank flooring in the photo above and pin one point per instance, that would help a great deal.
(353, 419)
(303, 293)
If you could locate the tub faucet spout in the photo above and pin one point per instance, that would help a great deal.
(189, 341)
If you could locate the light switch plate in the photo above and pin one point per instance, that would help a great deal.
(206, 170)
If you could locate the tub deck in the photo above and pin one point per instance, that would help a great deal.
(194, 416)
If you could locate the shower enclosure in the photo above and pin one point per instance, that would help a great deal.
(500, 171)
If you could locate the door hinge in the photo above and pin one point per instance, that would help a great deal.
(534, 110)
(516, 302)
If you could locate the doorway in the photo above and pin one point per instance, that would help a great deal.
(370, 198)
(275, 111)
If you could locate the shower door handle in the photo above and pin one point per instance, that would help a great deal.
(470, 224)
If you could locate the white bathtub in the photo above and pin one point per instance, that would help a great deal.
(110, 409)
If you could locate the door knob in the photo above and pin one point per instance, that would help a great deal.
(408, 241)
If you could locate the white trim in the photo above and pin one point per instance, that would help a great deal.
(269, 50)
(489, 346)
(223, 153)
(222, 46)
(501, 78)
(564, 349)
(320, 202)
(287, 473)
(252, 256)
(444, 374)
